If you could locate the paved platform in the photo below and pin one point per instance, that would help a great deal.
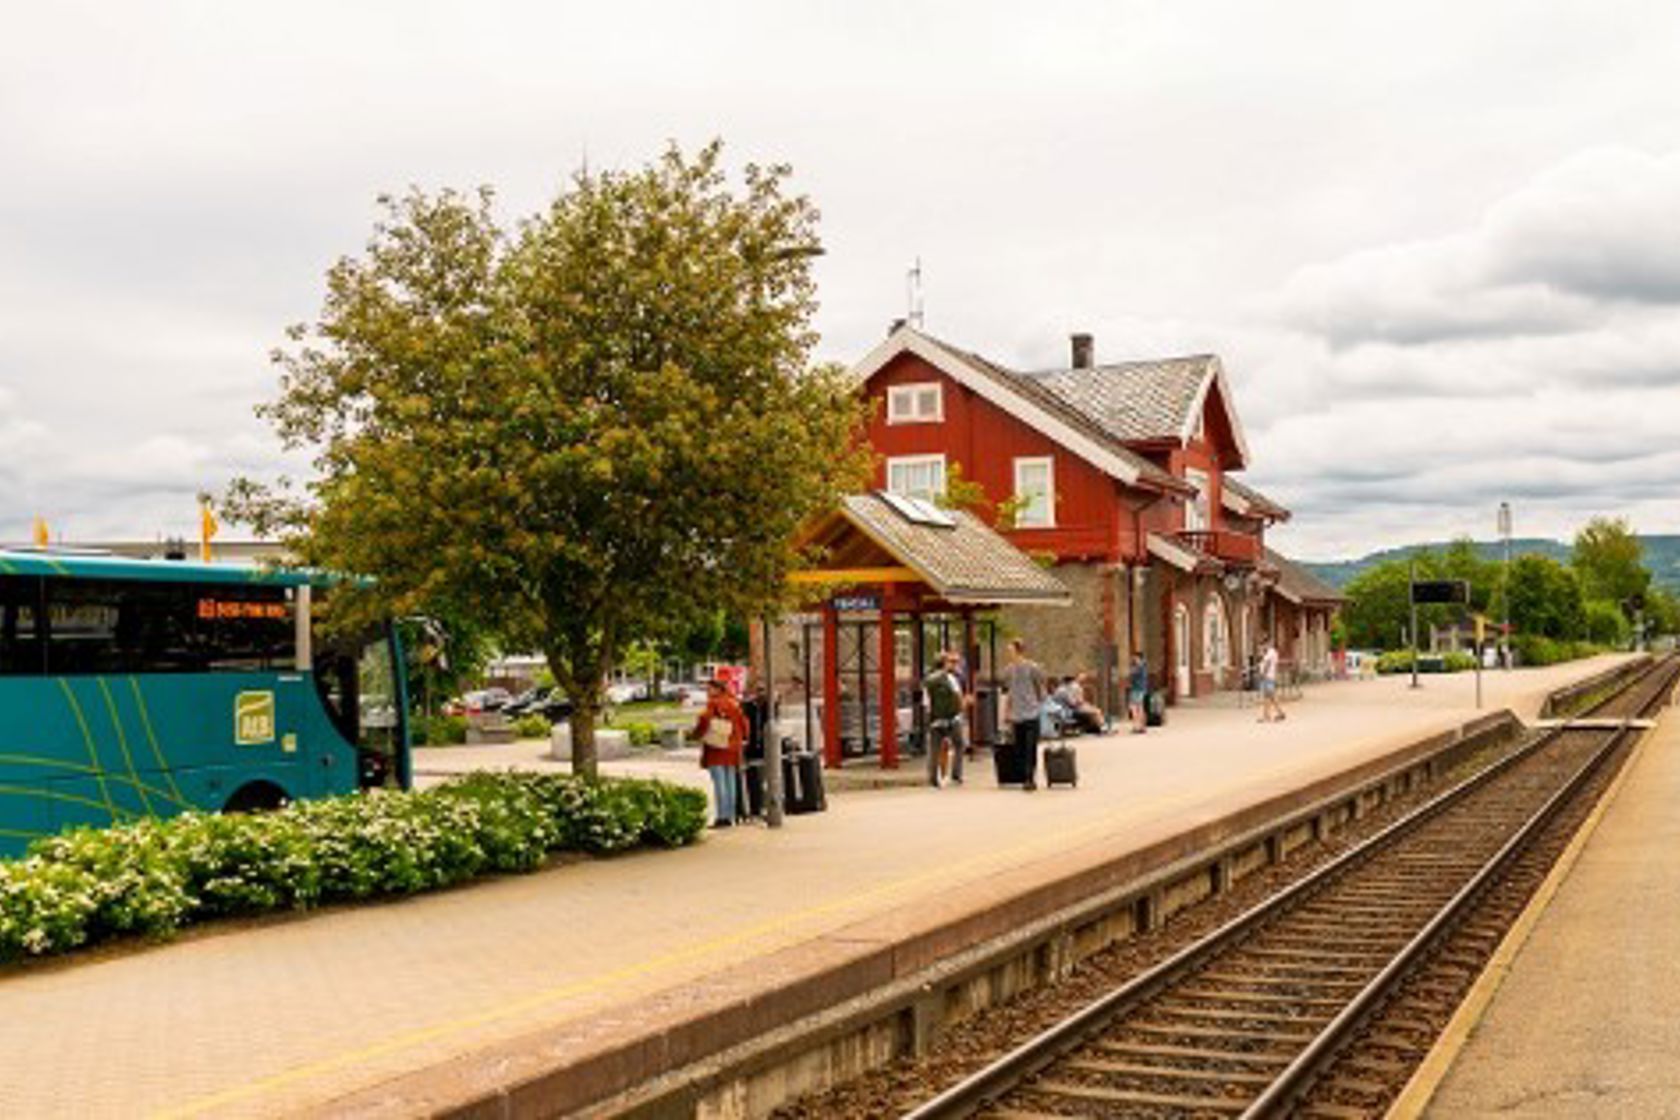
(324, 1012)
(1587, 1020)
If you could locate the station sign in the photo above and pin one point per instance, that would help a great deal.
(856, 603)
(1441, 591)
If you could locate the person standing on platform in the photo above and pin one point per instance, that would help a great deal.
(722, 729)
(1137, 694)
(945, 722)
(1024, 681)
(1270, 709)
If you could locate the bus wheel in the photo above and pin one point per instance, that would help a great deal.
(256, 797)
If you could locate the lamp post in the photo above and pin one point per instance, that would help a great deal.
(773, 792)
(1505, 622)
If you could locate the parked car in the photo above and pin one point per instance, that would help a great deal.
(623, 692)
(526, 700)
(479, 700)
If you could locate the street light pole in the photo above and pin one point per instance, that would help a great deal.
(1411, 597)
(773, 792)
(1505, 623)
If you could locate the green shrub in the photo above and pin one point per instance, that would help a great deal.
(532, 726)
(153, 877)
(1400, 661)
(439, 731)
(643, 733)
(1533, 649)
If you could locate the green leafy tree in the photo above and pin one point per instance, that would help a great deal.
(1605, 624)
(582, 430)
(1609, 560)
(1662, 612)
(1546, 598)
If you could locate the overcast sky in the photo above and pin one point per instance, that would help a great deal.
(1436, 244)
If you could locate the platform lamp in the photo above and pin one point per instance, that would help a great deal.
(773, 792)
(1505, 622)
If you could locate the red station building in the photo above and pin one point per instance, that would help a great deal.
(1121, 478)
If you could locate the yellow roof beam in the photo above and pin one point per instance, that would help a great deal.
(854, 575)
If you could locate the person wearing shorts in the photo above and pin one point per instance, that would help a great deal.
(946, 737)
(1137, 694)
(1270, 709)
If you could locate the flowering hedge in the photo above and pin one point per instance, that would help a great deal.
(153, 877)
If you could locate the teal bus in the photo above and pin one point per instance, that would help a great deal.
(133, 688)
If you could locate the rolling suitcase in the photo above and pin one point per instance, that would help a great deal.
(1011, 771)
(752, 782)
(1155, 708)
(1061, 765)
(802, 782)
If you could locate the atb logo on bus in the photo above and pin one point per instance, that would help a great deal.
(253, 718)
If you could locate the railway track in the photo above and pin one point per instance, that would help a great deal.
(1248, 1021)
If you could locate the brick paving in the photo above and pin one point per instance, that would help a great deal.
(290, 1015)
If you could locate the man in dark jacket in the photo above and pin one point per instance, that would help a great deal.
(946, 739)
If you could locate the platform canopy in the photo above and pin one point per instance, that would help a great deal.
(882, 538)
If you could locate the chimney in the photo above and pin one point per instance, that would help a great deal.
(1082, 350)
(894, 327)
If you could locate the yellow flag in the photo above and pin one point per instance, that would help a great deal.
(206, 530)
(42, 537)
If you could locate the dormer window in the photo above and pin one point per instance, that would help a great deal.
(920, 403)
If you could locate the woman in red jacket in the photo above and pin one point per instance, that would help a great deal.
(721, 730)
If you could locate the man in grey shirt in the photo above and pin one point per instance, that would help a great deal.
(1024, 681)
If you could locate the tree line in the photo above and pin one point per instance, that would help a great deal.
(1598, 597)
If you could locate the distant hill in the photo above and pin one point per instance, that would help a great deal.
(1662, 556)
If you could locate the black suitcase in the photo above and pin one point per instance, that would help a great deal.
(1155, 708)
(1061, 765)
(802, 782)
(1011, 770)
(752, 783)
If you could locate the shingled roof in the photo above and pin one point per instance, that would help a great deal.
(1298, 585)
(963, 561)
(1034, 404)
(1243, 499)
(1137, 401)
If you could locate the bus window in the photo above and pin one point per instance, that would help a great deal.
(20, 636)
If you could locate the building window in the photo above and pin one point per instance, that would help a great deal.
(1196, 510)
(917, 476)
(1216, 648)
(1035, 489)
(921, 403)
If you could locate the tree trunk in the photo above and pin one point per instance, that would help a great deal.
(585, 709)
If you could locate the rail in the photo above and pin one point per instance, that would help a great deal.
(1246, 1090)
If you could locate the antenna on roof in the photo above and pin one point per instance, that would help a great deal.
(913, 285)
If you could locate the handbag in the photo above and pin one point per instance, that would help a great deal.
(719, 731)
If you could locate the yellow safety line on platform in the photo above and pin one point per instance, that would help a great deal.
(1426, 1080)
(943, 873)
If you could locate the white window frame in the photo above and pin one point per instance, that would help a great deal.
(1216, 636)
(909, 461)
(904, 407)
(1198, 511)
(1048, 462)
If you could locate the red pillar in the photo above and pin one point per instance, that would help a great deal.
(831, 687)
(889, 693)
(971, 676)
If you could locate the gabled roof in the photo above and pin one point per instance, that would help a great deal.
(1298, 585)
(964, 561)
(1149, 401)
(1025, 399)
(1246, 501)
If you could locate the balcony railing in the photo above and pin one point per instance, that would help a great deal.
(1222, 544)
